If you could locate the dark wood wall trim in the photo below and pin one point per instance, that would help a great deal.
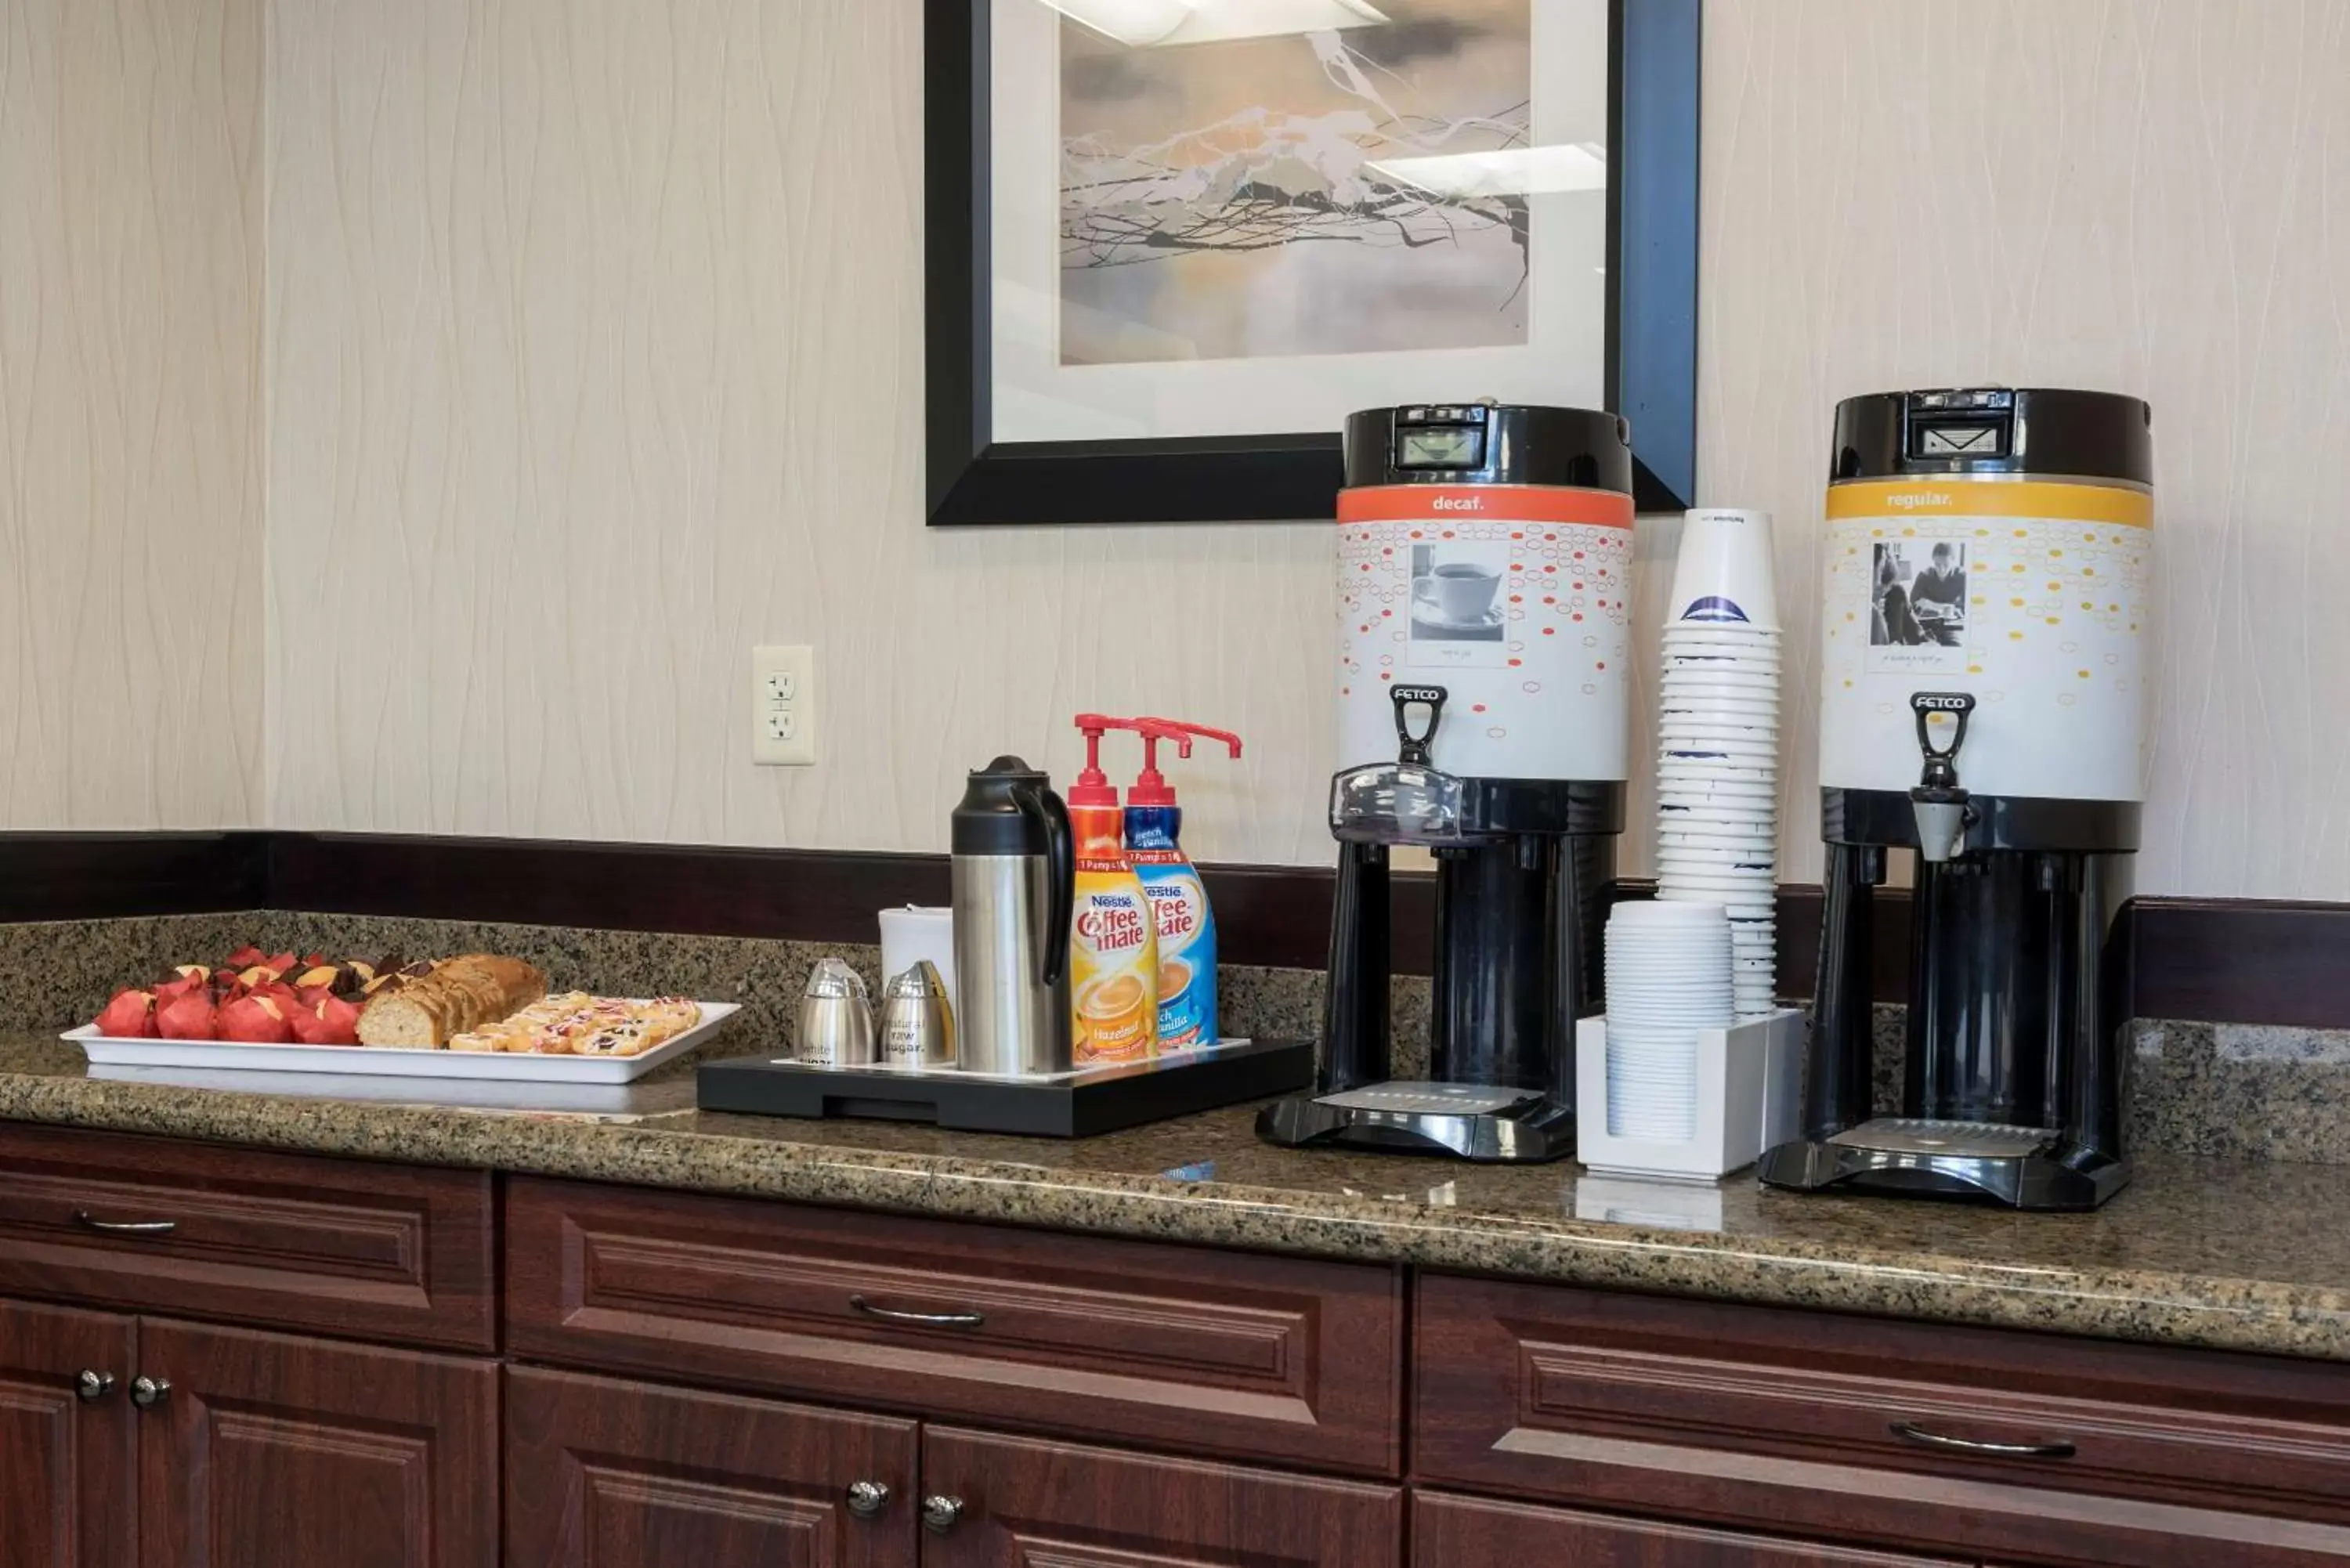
(2230, 960)
(2222, 960)
(1275, 915)
(108, 876)
(787, 894)
(1280, 915)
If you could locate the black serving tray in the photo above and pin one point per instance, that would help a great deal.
(1076, 1104)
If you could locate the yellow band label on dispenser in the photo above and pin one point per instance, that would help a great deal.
(2050, 499)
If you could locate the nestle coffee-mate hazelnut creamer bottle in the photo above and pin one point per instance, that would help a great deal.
(1113, 940)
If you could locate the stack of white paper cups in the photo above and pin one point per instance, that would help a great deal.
(1668, 978)
(1718, 763)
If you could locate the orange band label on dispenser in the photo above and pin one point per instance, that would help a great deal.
(2055, 500)
(1499, 502)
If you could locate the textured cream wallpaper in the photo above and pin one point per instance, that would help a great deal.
(594, 354)
(130, 520)
(2141, 196)
(595, 358)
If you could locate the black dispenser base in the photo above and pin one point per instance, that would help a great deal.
(1531, 1131)
(1075, 1104)
(1896, 1158)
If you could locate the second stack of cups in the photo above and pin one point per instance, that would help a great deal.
(1718, 741)
(1668, 980)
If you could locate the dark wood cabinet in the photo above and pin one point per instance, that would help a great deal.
(68, 1454)
(394, 1253)
(602, 1473)
(1475, 1532)
(270, 1452)
(1021, 1502)
(1547, 1424)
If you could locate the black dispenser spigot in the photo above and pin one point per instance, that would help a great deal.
(1412, 748)
(1940, 803)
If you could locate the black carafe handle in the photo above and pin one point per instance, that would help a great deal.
(1043, 807)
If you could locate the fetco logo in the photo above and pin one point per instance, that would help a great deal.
(1465, 504)
(1908, 500)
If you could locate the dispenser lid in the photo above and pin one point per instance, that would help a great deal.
(990, 819)
(1484, 442)
(2053, 432)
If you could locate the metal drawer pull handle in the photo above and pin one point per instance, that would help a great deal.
(1910, 1432)
(149, 1392)
(83, 1217)
(868, 1498)
(939, 1514)
(93, 1385)
(927, 1319)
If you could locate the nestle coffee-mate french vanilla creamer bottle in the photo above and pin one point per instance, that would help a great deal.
(1179, 901)
(1113, 940)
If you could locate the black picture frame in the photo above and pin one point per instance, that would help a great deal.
(1651, 335)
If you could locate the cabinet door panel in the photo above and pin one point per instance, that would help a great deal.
(1469, 1532)
(271, 1451)
(600, 1472)
(1030, 1503)
(66, 1464)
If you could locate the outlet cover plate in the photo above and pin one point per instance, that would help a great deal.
(782, 705)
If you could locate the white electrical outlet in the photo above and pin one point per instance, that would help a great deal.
(783, 706)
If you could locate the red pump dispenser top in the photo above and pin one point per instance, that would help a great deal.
(1092, 786)
(1151, 788)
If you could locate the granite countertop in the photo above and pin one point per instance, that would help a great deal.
(2230, 1255)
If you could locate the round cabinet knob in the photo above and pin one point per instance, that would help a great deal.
(94, 1385)
(939, 1514)
(868, 1498)
(147, 1392)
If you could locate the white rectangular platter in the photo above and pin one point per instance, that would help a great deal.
(376, 1061)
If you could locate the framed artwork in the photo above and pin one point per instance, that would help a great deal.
(1171, 244)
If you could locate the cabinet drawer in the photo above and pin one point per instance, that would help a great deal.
(387, 1252)
(1207, 1351)
(2030, 1447)
(1469, 1532)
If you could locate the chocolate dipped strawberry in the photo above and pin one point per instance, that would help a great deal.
(256, 1020)
(187, 1017)
(333, 1022)
(129, 1016)
(171, 991)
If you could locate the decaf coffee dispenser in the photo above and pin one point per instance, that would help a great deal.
(1983, 712)
(1483, 642)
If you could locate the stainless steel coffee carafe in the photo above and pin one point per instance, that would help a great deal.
(1014, 875)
